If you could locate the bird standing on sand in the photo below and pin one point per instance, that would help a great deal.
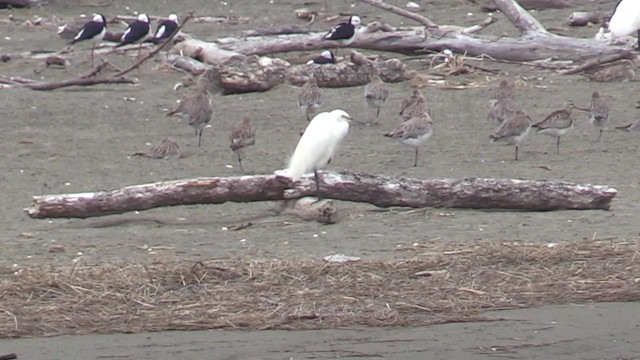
(513, 130)
(504, 91)
(415, 105)
(557, 124)
(598, 113)
(165, 29)
(137, 32)
(344, 33)
(318, 144)
(310, 97)
(502, 104)
(93, 31)
(376, 92)
(413, 132)
(242, 136)
(326, 57)
(168, 149)
(195, 107)
(626, 19)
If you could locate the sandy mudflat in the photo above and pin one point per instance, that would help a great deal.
(77, 140)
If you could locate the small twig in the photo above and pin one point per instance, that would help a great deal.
(402, 12)
(479, 27)
(156, 50)
(11, 356)
(599, 61)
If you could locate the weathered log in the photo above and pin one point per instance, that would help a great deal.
(582, 18)
(5, 4)
(490, 6)
(184, 63)
(383, 191)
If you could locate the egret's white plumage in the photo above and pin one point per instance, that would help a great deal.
(319, 142)
(626, 18)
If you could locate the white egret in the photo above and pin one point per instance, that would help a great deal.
(626, 18)
(318, 144)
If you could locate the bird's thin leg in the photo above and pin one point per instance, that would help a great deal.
(199, 137)
(93, 49)
(315, 173)
(307, 112)
(600, 135)
(378, 113)
(516, 152)
(558, 146)
(415, 160)
(638, 40)
(240, 161)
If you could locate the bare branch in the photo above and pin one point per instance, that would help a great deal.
(402, 12)
(521, 18)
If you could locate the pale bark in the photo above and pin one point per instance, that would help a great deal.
(383, 191)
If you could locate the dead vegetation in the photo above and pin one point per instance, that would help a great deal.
(440, 283)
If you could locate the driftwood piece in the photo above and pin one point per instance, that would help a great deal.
(310, 209)
(583, 18)
(471, 193)
(184, 63)
(490, 6)
(5, 4)
(536, 44)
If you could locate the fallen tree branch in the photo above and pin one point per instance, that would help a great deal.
(402, 12)
(520, 18)
(582, 18)
(383, 191)
(52, 85)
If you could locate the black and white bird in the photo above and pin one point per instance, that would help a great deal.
(345, 32)
(626, 19)
(165, 29)
(325, 58)
(138, 31)
(93, 31)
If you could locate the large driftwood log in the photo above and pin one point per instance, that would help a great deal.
(472, 193)
(536, 44)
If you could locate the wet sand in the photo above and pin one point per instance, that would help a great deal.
(76, 140)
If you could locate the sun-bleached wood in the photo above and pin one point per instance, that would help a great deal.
(379, 190)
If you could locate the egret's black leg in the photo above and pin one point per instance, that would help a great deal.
(415, 160)
(315, 173)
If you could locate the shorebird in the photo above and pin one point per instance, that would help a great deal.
(195, 107)
(626, 19)
(502, 104)
(165, 29)
(93, 31)
(310, 97)
(326, 57)
(557, 124)
(318, 144)
(413, 132)
(598, 113)
(513, 130)
(635, 126)
(502, 109)
(503, 91)
(137, 32)
(375, 92)
(242, 136)
(623, 71)
(415, 105)
(168, 149)
(344, 33)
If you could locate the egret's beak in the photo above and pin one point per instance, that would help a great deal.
(358, 122)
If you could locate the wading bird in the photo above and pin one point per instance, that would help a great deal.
(93, 31)
(318, 144)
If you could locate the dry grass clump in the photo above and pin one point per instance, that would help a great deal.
(448, 282)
